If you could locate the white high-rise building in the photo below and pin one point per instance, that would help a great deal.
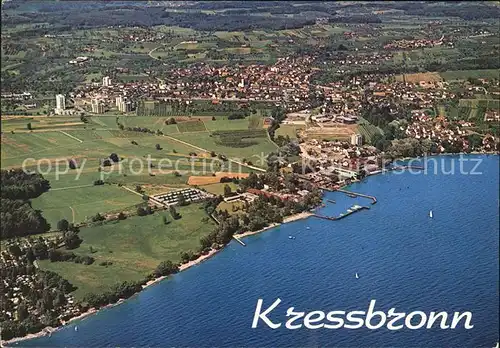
(60, 102)
(356, 139)
(97, 106)
(119, 100)
(106, 81)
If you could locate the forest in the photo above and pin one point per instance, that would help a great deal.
(17, 216)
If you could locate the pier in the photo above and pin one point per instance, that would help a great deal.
(350, 193)
(352, 210)
(331, 201)
(403, 167)
(239, 240)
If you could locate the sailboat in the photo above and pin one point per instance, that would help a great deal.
(430, 213)
(357, 276)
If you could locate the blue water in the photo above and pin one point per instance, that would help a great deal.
(404, 259)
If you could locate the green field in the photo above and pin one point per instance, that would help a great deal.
(257, 147)
(218, 189)
(80, 203)
(135, 246)
(191, 126)
(368, 130)
(288, 129)
(465, 74)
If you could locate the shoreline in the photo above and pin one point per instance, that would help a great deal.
(49, 329)
(291, 218)
(299, 216)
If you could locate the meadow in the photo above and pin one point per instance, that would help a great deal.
(135, 246)
(465, 74)
(78, 204)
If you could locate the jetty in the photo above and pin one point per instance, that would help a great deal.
(406, 166)
(239, 240)
(355, 194)
(331, 201)
(355, 208)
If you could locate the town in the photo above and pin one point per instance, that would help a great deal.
(182, 132)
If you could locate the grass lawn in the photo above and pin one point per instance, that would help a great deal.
(253, 153)
(222, 123)
(218, 189)
(135, 246)
(288, 129)
(82, 202)
(191, 126)
(465, 74)
(229, 206)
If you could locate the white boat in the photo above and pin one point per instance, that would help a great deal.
(430, 213)
(291, 237)
(76, 328)
(308, 228)
(357, 276)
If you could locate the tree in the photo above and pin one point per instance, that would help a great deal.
(138, 189)
(72, 164)
(72, 240)
(182, 200)
(63, 225)
(164, 219)
(158, 147)
(29, 126)
(141, 211)
(121, 216)
(22, 312)
(173, 212)
(114, 157)
(166, 268)
(227, 191)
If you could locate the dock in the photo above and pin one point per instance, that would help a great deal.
(331, 201)
(352, 210)
(239, 240)
(350, 194)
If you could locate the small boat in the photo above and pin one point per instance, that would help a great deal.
(430, 213)
(357, 276)
(76, 328)
(291, 237)
(308, 228)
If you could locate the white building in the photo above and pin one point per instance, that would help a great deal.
(356, 139)
(97, 106)
(60, 102)
(119, 100)
(106, 81)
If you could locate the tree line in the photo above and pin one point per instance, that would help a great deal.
(17, 215)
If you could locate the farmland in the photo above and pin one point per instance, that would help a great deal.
(73, 195)
(417, 77)
(135, 247)
(368, 130)
(465, 74)
(191, 126)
